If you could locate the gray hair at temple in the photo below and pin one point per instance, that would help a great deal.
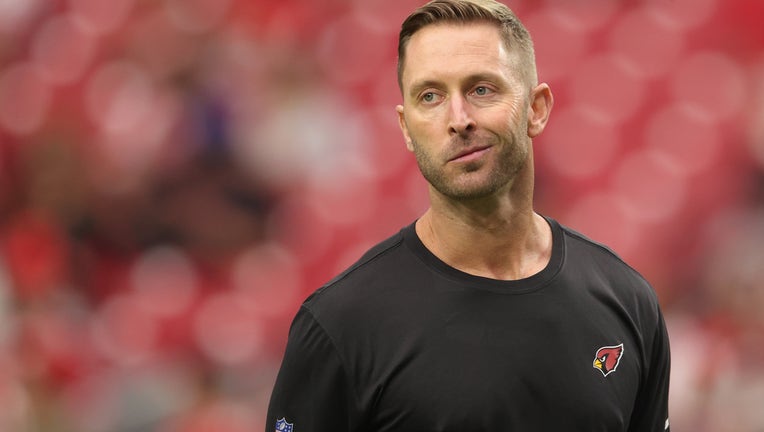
(513, 33)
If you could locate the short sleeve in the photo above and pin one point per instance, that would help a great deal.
(651, 408)
(312, 391)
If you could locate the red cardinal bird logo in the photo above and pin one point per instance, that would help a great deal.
(607, 358)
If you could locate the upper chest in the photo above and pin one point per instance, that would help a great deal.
(482, 362)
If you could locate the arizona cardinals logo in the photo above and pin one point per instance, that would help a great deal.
(607, 358)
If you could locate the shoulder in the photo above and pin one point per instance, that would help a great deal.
(590, 257)
(373, 260)
(353, 290)
(579, 241)
(595, 252)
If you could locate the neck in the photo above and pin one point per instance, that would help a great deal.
(498, 237)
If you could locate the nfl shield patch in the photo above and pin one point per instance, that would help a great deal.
(283, 426)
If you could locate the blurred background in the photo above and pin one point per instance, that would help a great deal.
(176, 176)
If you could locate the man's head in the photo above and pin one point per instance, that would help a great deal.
(471, 101)
(514, 35)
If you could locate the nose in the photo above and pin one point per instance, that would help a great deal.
(460, 120)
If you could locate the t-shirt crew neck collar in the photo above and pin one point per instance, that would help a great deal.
(520, 286)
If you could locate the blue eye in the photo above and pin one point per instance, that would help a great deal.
(481, 91)
(428, 97)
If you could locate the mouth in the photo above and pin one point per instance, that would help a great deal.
(470, 154)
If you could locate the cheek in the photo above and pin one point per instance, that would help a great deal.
(421, 152)
(517, 111)
(516, 118)
(423, 129)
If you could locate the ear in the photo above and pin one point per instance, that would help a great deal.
(404, 128)
(539, 109)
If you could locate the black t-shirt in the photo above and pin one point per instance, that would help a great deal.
(403, 342)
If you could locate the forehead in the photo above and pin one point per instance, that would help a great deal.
(453, 48)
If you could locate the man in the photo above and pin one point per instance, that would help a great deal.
(482, 315)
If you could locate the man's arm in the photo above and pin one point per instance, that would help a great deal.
(651, 407)
(312, 391)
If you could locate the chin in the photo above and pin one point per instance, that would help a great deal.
(471, 191)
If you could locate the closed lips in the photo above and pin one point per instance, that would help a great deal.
(469, 151)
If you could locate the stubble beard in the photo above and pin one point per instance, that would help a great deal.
(476, 179)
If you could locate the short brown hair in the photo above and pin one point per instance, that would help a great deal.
(466, 11)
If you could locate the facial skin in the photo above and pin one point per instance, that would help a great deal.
(468, 115)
